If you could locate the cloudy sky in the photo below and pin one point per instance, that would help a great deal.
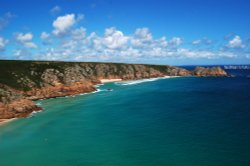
(177, 32)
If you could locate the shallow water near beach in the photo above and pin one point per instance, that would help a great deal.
(177, 121)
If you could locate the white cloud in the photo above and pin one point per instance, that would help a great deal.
(226, 54)
(200, 54)
(78, 34)
(197, 42)
(46, 38)
(236, 42)
(22, 54)
(30, 45)
(80, 17)
(18, 53)
(24, 37)
(56, 9)
(114, 45)
(95, 41)
(203, 41)
(163, 42)
(142, 37)
(187, 53)
(25, 40)
(63, 24)
(114, 39)
(143, 33)
(176, 41)
(69, 41)
(5, 19)
(3, 43)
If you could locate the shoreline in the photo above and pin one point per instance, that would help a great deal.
(5, 121)
(103, 81)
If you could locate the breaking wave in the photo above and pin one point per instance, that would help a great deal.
(39, 103)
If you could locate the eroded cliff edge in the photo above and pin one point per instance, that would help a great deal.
(24, 81)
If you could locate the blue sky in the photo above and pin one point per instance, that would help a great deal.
(176, 32)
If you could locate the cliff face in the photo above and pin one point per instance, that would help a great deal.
(24, 81)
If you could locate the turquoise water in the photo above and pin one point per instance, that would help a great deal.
(171, 122)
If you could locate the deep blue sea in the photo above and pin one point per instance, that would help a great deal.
(184, 121)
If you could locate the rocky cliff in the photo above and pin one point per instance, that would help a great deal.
(214, 71)
(24, 81)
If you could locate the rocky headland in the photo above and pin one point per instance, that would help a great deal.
(22, 82)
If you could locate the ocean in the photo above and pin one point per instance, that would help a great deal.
(182, 121)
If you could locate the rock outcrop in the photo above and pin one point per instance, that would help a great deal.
(24, 81)
(214, 71)
(17, 108)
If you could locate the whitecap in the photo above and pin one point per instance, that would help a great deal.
(33, 113)
(98, 85)
(97, 90)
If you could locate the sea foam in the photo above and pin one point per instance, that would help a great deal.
(39, 103)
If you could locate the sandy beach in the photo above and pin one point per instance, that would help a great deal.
(109, 80)
(4, 121)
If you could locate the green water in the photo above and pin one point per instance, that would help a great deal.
(170, 122)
